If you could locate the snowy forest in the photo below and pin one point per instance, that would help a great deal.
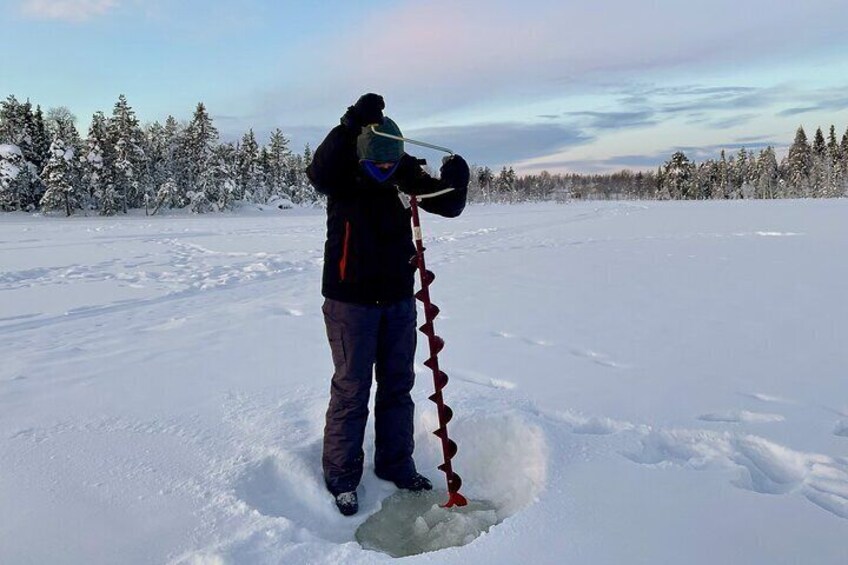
(46, 165)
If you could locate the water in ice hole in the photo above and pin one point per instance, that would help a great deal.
(410, 523)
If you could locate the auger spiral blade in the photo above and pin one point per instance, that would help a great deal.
(440, 378)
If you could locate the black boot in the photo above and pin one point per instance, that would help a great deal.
(347, 503)
(414, 483)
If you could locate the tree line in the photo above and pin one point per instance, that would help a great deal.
(46, 165)
(809, 170)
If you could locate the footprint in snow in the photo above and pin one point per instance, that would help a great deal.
(527, 340)
(841, 429)
(767, 398)
(480, 379)
(283, 311)
(171, 324)
(759, 465)
(288, 484)
(741, 416)
(597, 358)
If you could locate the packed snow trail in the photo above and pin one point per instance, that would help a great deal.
(632, 382)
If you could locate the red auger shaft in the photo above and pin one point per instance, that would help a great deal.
(440, 378)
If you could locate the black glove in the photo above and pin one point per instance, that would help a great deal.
(367, 110)
(454, 172)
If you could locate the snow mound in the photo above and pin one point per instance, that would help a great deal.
(503, 460)
(413, 523)
(762, 466)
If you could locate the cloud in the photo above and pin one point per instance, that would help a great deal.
(496, 144)
(67, 10)
(835, 104)
(443, 54)
(731, 121)
(615, 120)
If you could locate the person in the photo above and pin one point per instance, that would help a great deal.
(367, 283)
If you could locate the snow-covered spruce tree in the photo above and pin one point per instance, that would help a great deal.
(485, 179)
(300, 188)
(18, 128)
(11, 165)
(677, 177)
(128, 167)
(308, 194)
(58, 179)
(223, 190)
(504, 185)
(12, 128)
(799, 164)
(768, 174)
(168, 196)
(819, 146)
(195, 155)
(97, 161)
(707, 179)
(722, 188)
(172, 140)
(842, 185)
(278, 161)
(250, 179)
(158, 148)
(40, 140)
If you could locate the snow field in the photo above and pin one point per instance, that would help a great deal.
(631, 382)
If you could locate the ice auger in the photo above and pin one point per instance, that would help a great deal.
(435, 343)
(440, 378)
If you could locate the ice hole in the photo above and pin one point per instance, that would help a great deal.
(503, 462)
(410, 523)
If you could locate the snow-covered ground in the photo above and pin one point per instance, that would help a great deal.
(633, 383)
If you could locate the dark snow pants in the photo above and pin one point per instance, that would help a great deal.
(366, 340)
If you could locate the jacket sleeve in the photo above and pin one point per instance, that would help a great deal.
(413, 180)
(334, 162)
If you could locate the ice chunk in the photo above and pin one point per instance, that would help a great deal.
(412, 523)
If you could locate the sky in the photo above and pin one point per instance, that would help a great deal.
(578, 86)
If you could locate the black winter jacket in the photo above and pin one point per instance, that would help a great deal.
(369, 237)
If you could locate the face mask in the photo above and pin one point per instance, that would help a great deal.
(377, 173)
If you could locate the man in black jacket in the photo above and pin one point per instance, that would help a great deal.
(368, 282)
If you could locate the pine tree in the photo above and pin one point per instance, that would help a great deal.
(195, 150)
(11, 122)
(128, 165)
(158, 160)
(722, 189)
(677, 177)
(485, 178)
(819, 146)
(40, 140)
(832, 145)
(223, 189)
(11, 166)
(250, 179)
(58, 179)
(707, 179)
(799, 165)
(768, 174)
(278, 165)
(168, 195)
(98, 169)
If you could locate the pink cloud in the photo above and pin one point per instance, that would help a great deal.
(67, 10)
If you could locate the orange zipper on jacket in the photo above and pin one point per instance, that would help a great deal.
(343, 260)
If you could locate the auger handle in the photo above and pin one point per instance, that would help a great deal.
(412, 141)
